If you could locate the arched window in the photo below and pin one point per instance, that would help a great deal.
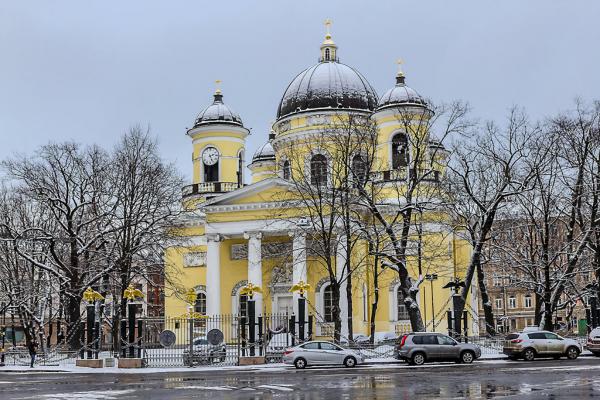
(327, 54)
(359, 170)
(318, 170)
(401, 307)
(399, 151)
(200, 305)
(287, 171)
(328, 304)
(240, 171)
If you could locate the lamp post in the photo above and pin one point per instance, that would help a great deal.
(431, 278)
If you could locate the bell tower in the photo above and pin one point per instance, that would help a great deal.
(219, 141)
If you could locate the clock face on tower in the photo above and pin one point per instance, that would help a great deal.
(210, 156)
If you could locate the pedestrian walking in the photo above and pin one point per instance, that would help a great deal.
(33, 346)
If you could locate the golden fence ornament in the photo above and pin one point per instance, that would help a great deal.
(250, 289)
(301, 288)
(132, 293)
(191, 296)
(90, 295)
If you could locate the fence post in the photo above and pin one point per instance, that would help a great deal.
(310, 327)
(140, 327)
(131, 309)
(252, 326)
(301, 317)
(450, 322)
(292, 328)
(90, 319)
(243, 334)
(466, 325)
(190, 322)
(81, 335)
(260, 336)
(123, 340)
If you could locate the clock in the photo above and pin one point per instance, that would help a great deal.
(210, 156)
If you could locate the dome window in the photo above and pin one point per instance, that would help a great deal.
(399, 151)
(287, 172)
(327, 54)
(359, 170)
(318, 170)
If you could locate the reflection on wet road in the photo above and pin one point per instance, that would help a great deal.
(484, 380)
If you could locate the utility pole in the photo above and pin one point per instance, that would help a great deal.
(431, 278)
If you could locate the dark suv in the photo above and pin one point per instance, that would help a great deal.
(420, 347)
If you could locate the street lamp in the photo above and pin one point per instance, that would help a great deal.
(431, 278)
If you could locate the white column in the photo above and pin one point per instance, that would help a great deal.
(298, 265)
(255, 273)
(340, 264)
(213, 275)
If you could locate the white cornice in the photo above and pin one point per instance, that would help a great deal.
(218, 128)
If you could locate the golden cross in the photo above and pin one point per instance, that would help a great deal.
(399, 62)
(218, 83)
(327, 26)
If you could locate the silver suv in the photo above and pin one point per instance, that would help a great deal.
(418, 348)
(540, 344)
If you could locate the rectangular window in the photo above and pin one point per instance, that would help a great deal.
(498, 302)
(512, 302)
(528, 303)
(328, 304)
(497, 281)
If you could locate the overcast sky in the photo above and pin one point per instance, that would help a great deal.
(88, 70)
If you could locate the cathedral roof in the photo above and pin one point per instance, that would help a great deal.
(264, 153)
(217, 113)
(327, 85)
(401, 95)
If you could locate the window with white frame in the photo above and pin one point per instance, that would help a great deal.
(528, 302)
(496, 281)
(318, 170)
(328, 304)
(200, 304)
(402, 311)
(512, 302)
(498, 303)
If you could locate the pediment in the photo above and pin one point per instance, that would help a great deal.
(270, 190)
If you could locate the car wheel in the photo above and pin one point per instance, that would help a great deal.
(467, 357)
(529, 354)
(350, 362)
(418, 359)
(300, 363)
(572, 353)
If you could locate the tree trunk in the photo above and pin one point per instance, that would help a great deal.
(490, 326)
(349, 290)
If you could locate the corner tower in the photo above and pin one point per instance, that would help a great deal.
(219, 141)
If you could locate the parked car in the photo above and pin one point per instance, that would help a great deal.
(540, 344)
(421, 347)
(593, 342)
(321, 353)
(204, 353)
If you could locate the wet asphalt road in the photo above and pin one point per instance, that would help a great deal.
(542, 379)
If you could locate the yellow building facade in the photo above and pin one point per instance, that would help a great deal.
(235, 233)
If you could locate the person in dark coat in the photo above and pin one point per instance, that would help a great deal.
(32, 346)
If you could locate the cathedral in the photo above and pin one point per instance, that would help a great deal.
(233, 232)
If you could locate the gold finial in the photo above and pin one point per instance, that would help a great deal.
(250, 289)
(300, 287)
(400, 62)
(191, 297)
(90, 295)
(132, 293)
(218, 85)
(327, 23)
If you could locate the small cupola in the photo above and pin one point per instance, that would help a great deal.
(328, 47)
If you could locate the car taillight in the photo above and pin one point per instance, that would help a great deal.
(288, 351)
(402, 341)
(516, 340)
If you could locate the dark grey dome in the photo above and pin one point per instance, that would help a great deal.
(401, 95)
(217, 113)
(264, 153)
(327, 85)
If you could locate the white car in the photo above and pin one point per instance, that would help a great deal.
(321, 353)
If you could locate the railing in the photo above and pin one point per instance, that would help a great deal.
(209, 187)
(395, 175)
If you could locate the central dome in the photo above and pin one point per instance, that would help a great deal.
(327, 85)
